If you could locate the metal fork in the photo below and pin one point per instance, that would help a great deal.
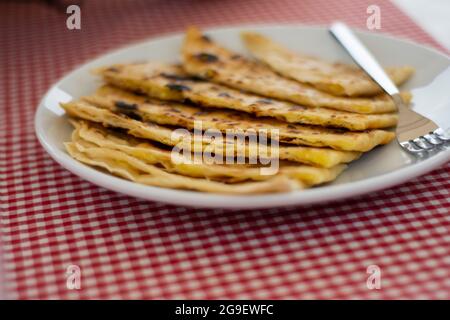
(415, 133)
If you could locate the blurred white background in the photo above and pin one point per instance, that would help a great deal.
(431, 15)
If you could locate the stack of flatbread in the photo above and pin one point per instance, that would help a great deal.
(316, 117)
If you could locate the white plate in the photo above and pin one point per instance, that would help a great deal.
(381, 168)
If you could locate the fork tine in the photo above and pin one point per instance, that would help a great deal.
(423, 143)
(433, 139)
(441, 134)
(411, 147)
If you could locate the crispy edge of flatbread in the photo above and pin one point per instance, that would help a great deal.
(130, 168)
(334, 78)
(103, 138)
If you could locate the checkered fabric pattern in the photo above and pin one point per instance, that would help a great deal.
(129, 248)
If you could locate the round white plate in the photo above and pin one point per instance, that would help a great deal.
(381, 168)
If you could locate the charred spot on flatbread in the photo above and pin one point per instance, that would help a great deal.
(177, 87)
(206, 57)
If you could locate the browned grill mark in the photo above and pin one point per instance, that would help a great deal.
(177, 77)
(206, 38)
(112, 69)
(206, 57)
(177, 87)
(133, 116)
(128, 109)
(126, 106)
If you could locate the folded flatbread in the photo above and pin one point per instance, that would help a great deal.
(324, 157)
(125, 166)
(203, 58)
(227, 121)
(334, 78)
(171, 82)
(95, 139)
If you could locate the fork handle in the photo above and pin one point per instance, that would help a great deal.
(363, 58)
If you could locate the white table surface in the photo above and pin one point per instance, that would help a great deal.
(432, 15)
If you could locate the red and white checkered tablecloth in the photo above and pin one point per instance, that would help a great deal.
(129, 248)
